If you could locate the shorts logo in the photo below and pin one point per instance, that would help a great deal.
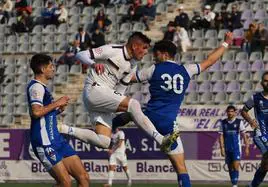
(51, 153)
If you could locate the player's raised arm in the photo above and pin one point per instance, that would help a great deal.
(217, 53)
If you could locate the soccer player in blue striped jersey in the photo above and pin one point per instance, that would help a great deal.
(49, 146)
(230, 142)
(168, 83)
(259, 101)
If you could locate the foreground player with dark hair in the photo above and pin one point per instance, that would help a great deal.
(259, 101)
(49, 146)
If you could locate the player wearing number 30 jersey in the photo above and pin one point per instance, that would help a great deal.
(166, 99)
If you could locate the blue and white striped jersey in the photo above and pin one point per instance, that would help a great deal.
(44, 130)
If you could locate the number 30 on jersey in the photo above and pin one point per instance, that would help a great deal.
(171, 83)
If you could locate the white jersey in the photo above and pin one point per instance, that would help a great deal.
(118, 65)
(120, 135)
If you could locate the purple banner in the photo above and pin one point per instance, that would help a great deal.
(197, 146)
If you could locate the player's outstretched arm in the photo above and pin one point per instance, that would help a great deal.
(246, 116)
(217, 53)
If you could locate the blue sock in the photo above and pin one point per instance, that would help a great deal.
(184, 180)
(258, 177)
(234, 174)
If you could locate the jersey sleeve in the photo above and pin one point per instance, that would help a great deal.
(88, 56)
(192, 69)
(242, 127)
(145, 74)
(36, 93)
(121, 135)
(249, 103)
(220, 128)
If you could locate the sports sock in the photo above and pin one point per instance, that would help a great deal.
(110, 177)
(143, 121)
(234, 174)
(184, 180)
(128, 174)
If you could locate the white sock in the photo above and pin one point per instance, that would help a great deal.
(128, 175)
(110, 177)
(143, 121)
(87, 136)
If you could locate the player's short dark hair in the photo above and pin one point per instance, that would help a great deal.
(140, 36)
(39, 60)
(230, 107)
(166, 46)
(263, 75)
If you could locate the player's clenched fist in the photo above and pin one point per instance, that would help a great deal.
(99, 68)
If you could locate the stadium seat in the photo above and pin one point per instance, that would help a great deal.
(219, 86)
(48, 38)
(9, 70)
(22, 70)
(62, 69)
(215, 67)
(125, 27)
(21, 109)
(205, 86)
(204, 76)
(245, 75)
(61, 38)
(24, 38)
(244, 6)
(265, 57)
(220, 98)
(21, 98)
(123, 9)
(257, 76)
(187, 57)
(49, 48)
(206, 98)
(229, 66)
(221, 34)
(7, 99)
(243, 66)
(230, 76)
(211, 33)
(233, 86)
(76, 11)
(62, 28)
(258, 87)
(11, 48)
(7, 120)
(260, 15)
(247, 95)
(235, 98)
(246, 86)
(229, 55)
(192, 98)
(37, 3)
(36, 48)
(192, 87)
(241, 56)
(198, 44)
(197, 34)
(7, 109)
(49, 29)
(24, 48)
(22, 78)
(79, 99)
(74, 19)
(199, 56)
(257, 65)
(246, 24)
(211, 43)
(256, 55)
(217, 7)
(21, 88)
(76, 69)
(61, 78)
(216, 76)
(247, 14)
(161, 8)
(139, 27)
(37, 38)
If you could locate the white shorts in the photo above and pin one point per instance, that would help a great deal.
(179, 149)
(118, 159)
(101, 102)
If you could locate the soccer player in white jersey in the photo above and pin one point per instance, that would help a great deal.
(168, 83)
(49, 146)
(102, 94)
(117, 156)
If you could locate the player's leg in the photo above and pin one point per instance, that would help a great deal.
(123, 162)
(262, 170)
(52, 161)
(76, 169)
(234, 174)
(133, 107)
(176, 157)
(112, 167)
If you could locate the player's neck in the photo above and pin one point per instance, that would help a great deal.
(41, 79)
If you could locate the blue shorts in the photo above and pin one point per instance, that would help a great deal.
(231, 156)
(52, 154)
(261, 142)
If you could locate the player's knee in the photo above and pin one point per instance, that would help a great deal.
(66, 182)
(105, 141)
(83, 178)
